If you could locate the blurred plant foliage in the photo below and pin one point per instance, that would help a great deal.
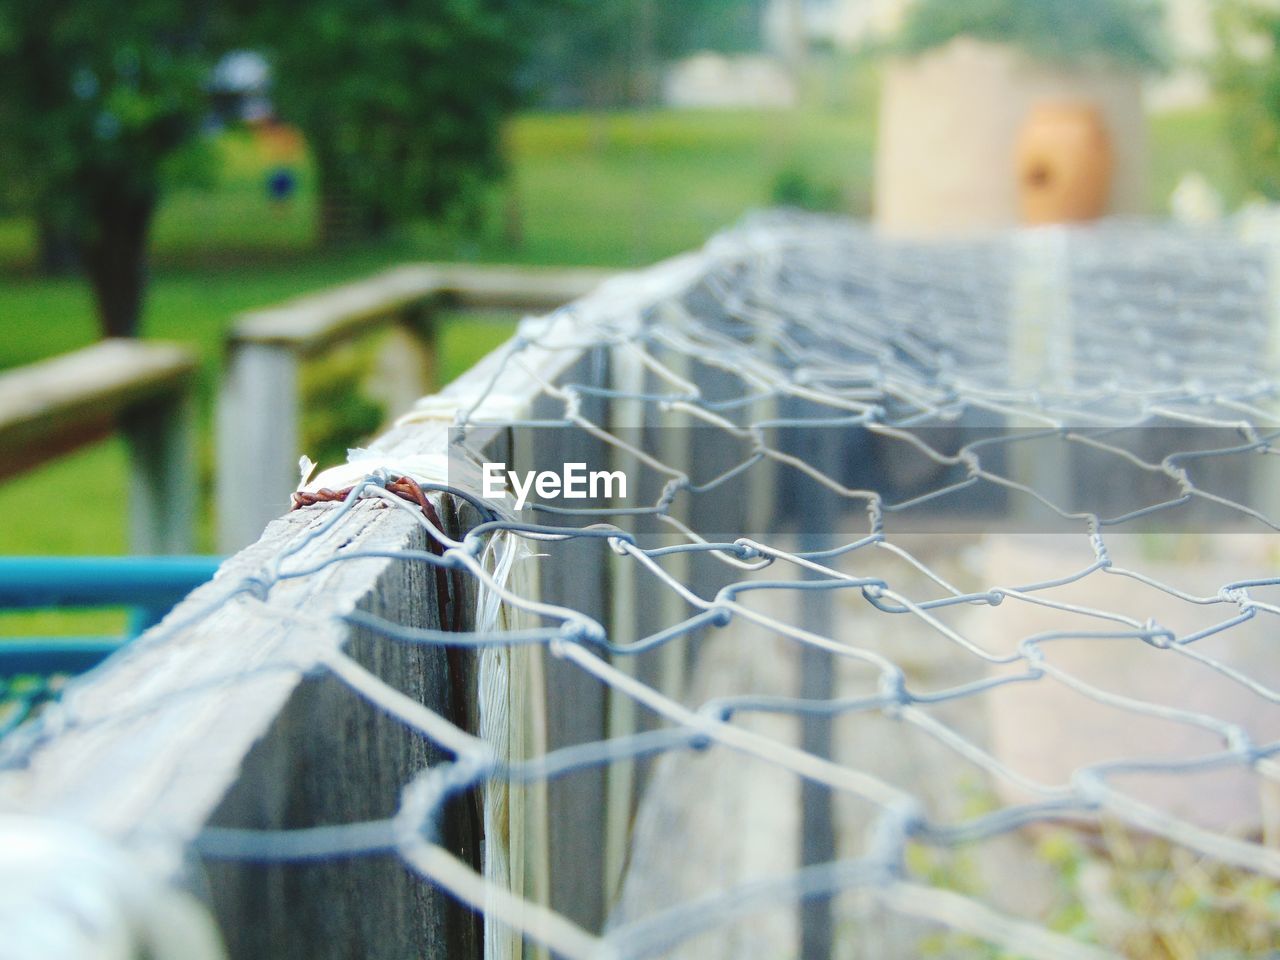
(100, 109)
(794, 187)
(401, 101)
(339, 409)
(1247, 77)
(1127, 33)
(1134, 895)
(1144, 897)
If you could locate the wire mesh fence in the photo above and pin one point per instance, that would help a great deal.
(934, 617)
(21, 696)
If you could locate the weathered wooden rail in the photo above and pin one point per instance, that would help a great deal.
(259, 704)
(258, 443)
(235, 718)
(143, 389)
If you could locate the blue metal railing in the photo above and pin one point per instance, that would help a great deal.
(149, 585)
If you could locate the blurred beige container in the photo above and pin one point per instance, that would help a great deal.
(1064, 164)
(950, 123)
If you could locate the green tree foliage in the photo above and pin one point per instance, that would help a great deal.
(401, 101)
(1247, 75)
(1124, 32)
(100, 104)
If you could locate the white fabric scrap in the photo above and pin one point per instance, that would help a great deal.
(362, 464)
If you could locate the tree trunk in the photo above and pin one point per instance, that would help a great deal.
(57, 252)
(335, 216)
(339, 224)
(115, 257)
(345, 221)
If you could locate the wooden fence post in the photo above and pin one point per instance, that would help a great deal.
(577, 706)
(162, 481)
(231, 716)
(142, 389)
(258, 446)
(408, 360)
(1041, 344)
(258, 439)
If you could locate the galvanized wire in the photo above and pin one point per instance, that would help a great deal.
(1093, 341)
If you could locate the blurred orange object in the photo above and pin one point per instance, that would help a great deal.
(1064, 163)
(280, 142)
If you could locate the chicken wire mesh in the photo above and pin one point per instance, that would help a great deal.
(939, 560)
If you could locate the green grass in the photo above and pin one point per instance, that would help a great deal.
(231, 218)
(238, 218)
(73, 505)
(632, 188)
(612, 188)
(465, 339)
(608, 189)
(1193, 140)
(68, 506)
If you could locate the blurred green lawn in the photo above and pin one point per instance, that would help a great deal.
(607, 189)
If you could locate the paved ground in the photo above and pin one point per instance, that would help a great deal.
(717, 819)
